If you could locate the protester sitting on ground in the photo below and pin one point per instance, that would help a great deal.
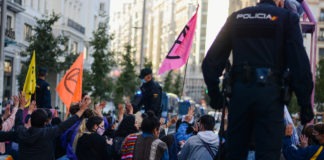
(292, 152)
(204, 145)
(49, 117)
(67, 138)
(111, 129)
(92, 145)
(164, 128)
(170, 140)
(37, 142)
(307, 138)
(70, 137)
(145, 145)
(8, 120)
(126, 127)
(82, 128)
(59, 150)
(185, 130)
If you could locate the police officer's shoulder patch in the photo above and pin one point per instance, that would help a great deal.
(48, 88)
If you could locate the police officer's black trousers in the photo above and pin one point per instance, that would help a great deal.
(256, 110)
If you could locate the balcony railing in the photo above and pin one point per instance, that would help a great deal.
(18, 1)
(10, 33)
(321, 19)
(15, 5)
(320, 38)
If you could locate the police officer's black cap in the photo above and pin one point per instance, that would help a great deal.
(145, 72)
(42, 70)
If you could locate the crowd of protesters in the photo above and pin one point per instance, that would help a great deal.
(38, 133)
(34, 132)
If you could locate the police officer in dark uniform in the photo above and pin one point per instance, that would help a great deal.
(265, 40)
(151, 94)
(43, 90)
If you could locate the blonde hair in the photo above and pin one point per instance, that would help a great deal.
(81, 130)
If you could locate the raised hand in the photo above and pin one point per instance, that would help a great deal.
(289, 130)
(16, 100)
(32, 107)
(7, 112)
(191, 111)
(99, 107)
(303, 141)
(22, 101)
(129, 108)
(85, 103)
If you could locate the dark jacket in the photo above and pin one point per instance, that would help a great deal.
(292, 152)
(37, 143)
(43, 94)
(147, 147)
(264, 36)
(151, 98)
(92, 147)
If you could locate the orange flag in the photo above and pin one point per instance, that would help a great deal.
(70, 86)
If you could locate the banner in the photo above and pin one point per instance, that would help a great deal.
(30, 81)
(70, 86)
(288, 120)
(179, 52)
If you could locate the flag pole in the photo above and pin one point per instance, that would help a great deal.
(184, 78)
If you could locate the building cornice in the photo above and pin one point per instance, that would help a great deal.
(14, 6)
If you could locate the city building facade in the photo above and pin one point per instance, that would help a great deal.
(317, 7)
(78, 20)
(164, 20)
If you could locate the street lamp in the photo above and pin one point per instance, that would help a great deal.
(143, 36)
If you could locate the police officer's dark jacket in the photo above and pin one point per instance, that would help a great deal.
(152, 97)
(43, 94)
(262, 36)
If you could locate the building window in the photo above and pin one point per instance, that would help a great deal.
(8, 66)
(27, 32)
(9, 22)
(102, 7)
(321, 53)
(74, 47)
(321, 17)
(321, 34)
(18, 1)
(7, 79)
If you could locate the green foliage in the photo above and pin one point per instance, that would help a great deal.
(177, 87)
(128, 81)
(86, 81)
(47, 47)
(168, 82)
(319, 86)
(22, 76)
(69, 60)
(147, 64)
(293, 105)
(103, 63)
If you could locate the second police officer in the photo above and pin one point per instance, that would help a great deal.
(151, 94)
(43, 90)
(265, 40)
